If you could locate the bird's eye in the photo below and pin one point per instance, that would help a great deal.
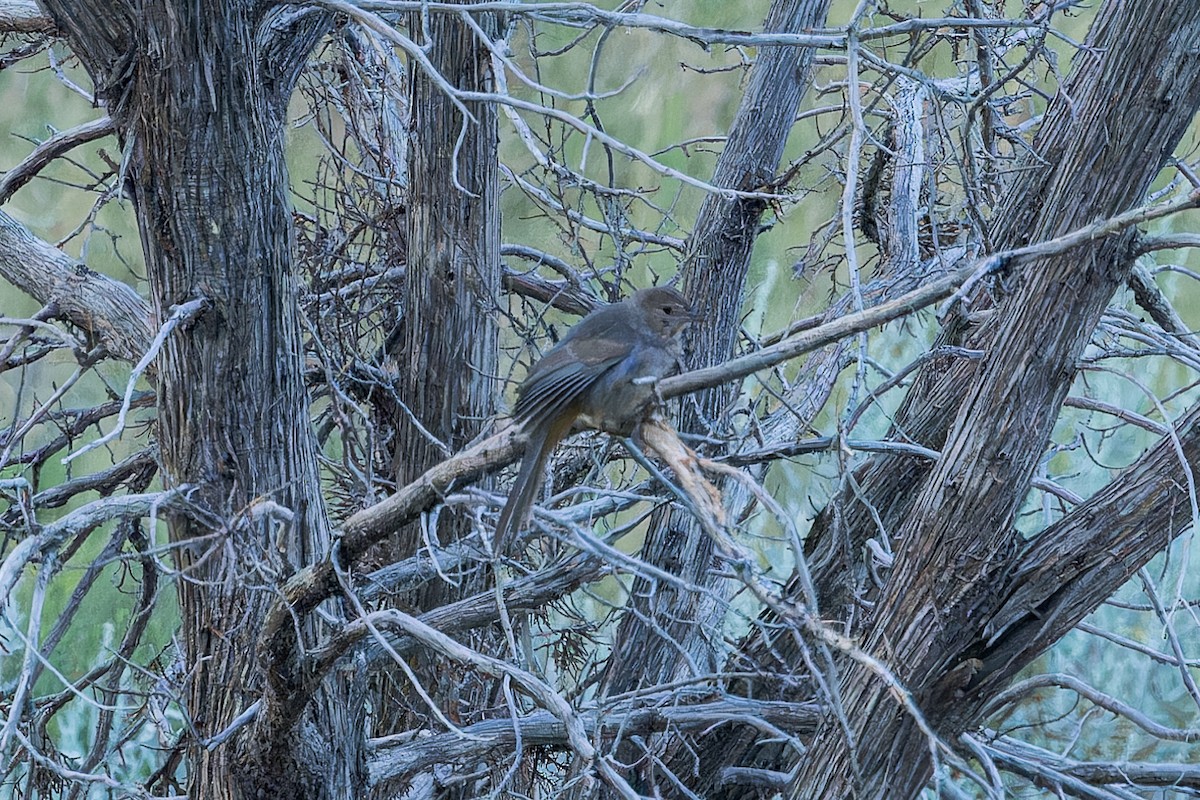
(668, 310)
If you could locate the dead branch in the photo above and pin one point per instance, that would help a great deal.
(47, 151)
(107, 309)
(402, 754)
(24, 16)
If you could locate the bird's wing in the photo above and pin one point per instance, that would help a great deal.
(592, 347)
(548, 392)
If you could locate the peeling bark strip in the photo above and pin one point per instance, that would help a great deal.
(1138, 80)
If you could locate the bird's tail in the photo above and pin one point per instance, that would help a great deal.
(542, 440)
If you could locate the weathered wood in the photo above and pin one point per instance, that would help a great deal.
(307, 739)
(24, 16)
(448, 338)
(201, 94)
(1071, 567)
(660, 625)
(105, 308)
(447, 347)
(1138, 80)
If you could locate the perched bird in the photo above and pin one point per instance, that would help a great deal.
(601, 375)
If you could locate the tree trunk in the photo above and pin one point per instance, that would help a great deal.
(957, 543)
(199, 92)
(447, 349)
(714, 278)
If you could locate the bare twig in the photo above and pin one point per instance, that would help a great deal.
(180, 315)
(49, 150)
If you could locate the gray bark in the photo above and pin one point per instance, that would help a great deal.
(199, 93)
(958, 544)
(967, 604)
(447, 347)
(108, 310)
(448, 332)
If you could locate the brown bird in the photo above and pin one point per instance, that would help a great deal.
(601, 375)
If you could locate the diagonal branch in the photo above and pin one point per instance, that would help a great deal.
(81, 519)
(1081, 560)
(371, 525)
(108, 309)
(49, 150)
(958, 542)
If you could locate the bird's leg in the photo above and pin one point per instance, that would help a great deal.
(656, 398)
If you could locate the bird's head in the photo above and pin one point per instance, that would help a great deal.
(666, 311)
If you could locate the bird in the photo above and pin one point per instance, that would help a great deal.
(601, 375)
